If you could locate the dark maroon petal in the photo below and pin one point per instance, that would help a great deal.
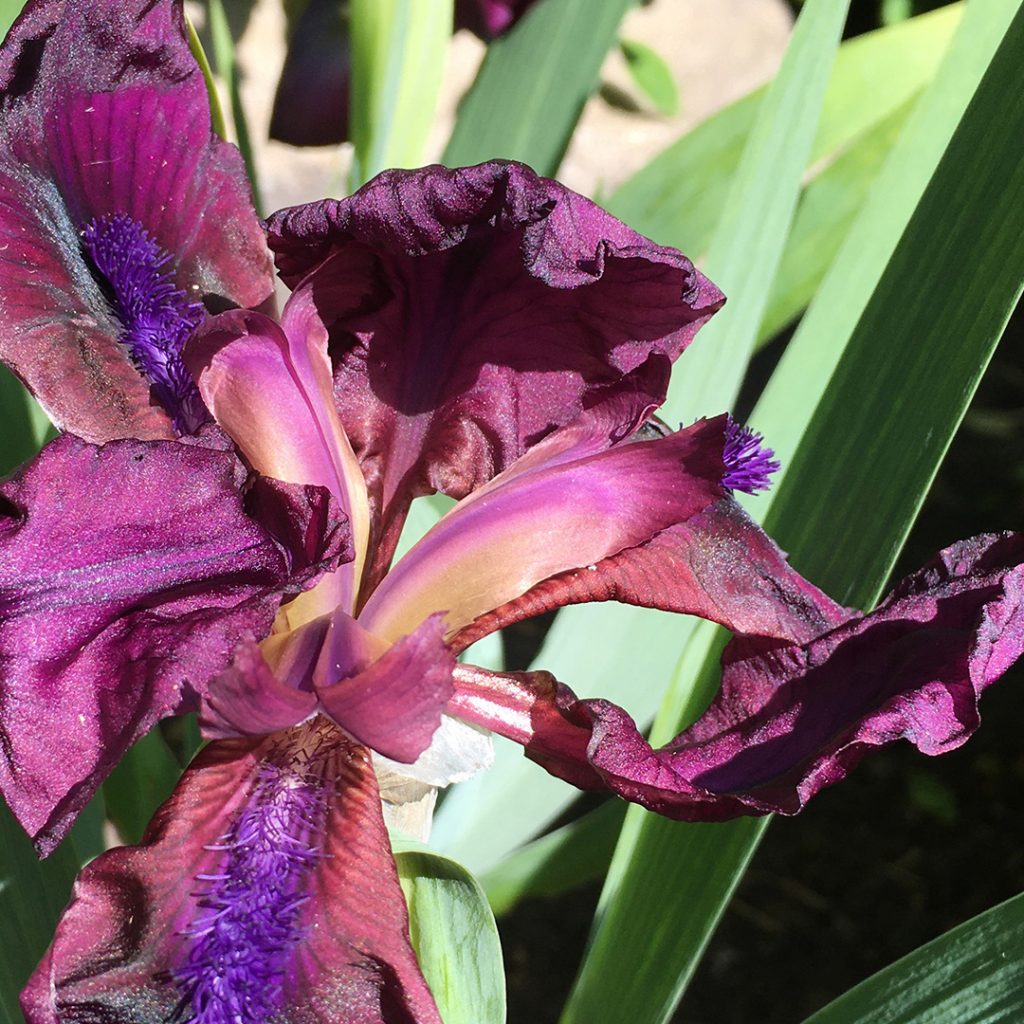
(104, 113)
(311, 102)
(264, 886)
(790, 719)
(394, 704)
(129, 574)
(489, 18)
(719, 565)
(473, 311)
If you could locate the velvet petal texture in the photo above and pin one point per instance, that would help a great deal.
(129, 573)
(104, 112)
(264, 889)
(473, 311)
(790, 718)
(570, 508)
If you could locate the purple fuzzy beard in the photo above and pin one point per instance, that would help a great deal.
(748, 463)
(156, 317)
(249, 910)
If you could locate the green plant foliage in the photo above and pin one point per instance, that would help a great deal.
(454, 935)
(973, 974)
(398, 53)
(651, 75)
(664, 873)
(531, 116)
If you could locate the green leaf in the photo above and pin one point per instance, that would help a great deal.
(32, 896)
(651, 75)
(9, 10)
(565, 859)
(454, 935)
(195, 44)
(973, 974)
(969, 224)
(398, 53)
(530, 90)
(23, 425)
(828, 208)
(227, 69)
(143, 779)
(678, 198)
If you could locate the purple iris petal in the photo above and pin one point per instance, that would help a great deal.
(790, 718)
(156, 316)
(473, 311)
(104, 114)
(489, 18)
(264, 889)
(129, 573)
(749, 463)
(247, 919)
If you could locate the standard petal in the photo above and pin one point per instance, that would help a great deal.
(269, 387)
(794, 718)
(263, 889)
(104, 114)
(130, 573)
(473, 311)
(718, 565)
(557, 513)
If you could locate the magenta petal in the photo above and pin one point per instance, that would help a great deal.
(718, 565)
(263, 889)
(473, 311)
(104, 112)
(394, 705)
(565, 505)
(489, 18)
(129, 574)
(793, 718)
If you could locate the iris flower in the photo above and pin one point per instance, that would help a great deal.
(221, 535)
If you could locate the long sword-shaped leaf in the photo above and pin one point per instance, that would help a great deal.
(533, 83)
(973, 974)
(637, 649)
(668, 882)
(398, 54)
(679, 196)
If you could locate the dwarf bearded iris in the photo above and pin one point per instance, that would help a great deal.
(484, 333)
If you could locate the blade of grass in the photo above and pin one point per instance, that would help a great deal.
(669, 882)
(216, 110)
(528, 94)
(398, 54)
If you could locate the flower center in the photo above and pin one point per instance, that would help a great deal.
(249, 909)
(156, 317)
(749, 463)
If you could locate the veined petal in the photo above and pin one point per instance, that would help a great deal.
(718, 565)
(263, 889)
(473, 311)
(790, 718)
(127, 133)
(130, 573)
(556, 514)
(269, 387)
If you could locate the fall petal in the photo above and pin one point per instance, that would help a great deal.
(130, 572)
(264, 887)
(126, 135)
(473, 311)
(792, 718)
